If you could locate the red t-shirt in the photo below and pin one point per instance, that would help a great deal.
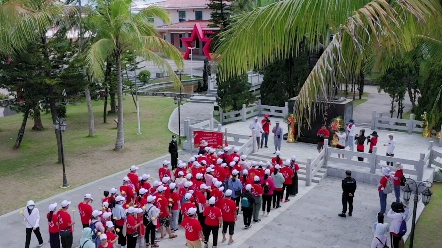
(64, 219)
(326, 134)
(275, 159)
(192, 228)
(383, 183)
(373, 142)
(219, 173)
(217, 194)
(85, 211)
(186, 206)
(162, 172)
(141, 201)
(212, 215)
(397, 177)
(109, 245)
(130, 224)
(265, 126)
(162, 203)
(247, 181)
(134, 180)
(200, 197)
(252, 173)
(258, 190)
(175, 200)
(294, 166)
(53, 226)
(105, 199)
(129, 192)
(260, 172)
(288, 173)
(111, 236)
(228, 208)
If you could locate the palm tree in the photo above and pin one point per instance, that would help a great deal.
(117, 30)
(350, 30)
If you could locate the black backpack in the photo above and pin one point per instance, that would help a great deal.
(146, 219)
(266, 188)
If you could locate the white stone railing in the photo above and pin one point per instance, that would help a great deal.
(257, 110)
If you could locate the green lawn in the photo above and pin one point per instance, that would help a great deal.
(428, 227)
(359, 101)
(35, 161)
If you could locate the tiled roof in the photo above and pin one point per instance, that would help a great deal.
(183, 3)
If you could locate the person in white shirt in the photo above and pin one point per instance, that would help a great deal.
(351, 129)
(397, 213)
(32, 219)
(391, 145)
(341, 140)
(380, 233)
(257, 130)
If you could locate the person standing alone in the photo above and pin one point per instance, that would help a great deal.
(348, 192)
(32, 218)
(277, 138)
(323, 134)
(391, 145)
(351, 129)
(85, 210)
(173, 150)
(266, 128)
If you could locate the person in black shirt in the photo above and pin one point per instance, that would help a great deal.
(173, 150)
(348, 192)
(359, 140)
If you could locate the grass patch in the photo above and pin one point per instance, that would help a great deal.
(359, 101)
(428, 227)
(406, 116)
(32, 171)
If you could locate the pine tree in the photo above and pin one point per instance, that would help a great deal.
(234, 92)
(221, 12)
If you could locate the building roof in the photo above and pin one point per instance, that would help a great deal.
(183, 4)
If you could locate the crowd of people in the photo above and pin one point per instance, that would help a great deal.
(202, 195)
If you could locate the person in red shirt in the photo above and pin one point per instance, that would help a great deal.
(225, 155)
(54, 230)
(277, 160)
(200, 202)
(245, 179)
(104, 242)
(162, 203)
(65, 224)
(268, 184)
(198, 181)
(322, 134)
(288, 174)
(234, 155)
(295, 167)
(110, 233)
(265, 123)
(382, 184)
(398, 175)
(144, 183)
(188, 204)
(164, 171)
(133, 176)
(253, 170)
(260, 170)
(85, 210)
(193, 229)
(373, 141)
(229, 211)
(131, 227)
(213, 221)
(216, 192)
(257, 193)
(127, 190)
(141, 198)
(219, 173)
(174, 204)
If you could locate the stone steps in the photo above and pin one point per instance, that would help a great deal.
(202, 99)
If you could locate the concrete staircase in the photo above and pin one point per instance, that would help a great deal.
(209, 97)
(322, 172)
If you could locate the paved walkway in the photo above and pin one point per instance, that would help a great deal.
(195, 112)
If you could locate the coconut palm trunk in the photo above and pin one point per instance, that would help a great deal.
(119, 144)
(90, 112)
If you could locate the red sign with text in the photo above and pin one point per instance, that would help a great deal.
(213, 139)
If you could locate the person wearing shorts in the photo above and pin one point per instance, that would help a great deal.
(229, 212)
(162, 204)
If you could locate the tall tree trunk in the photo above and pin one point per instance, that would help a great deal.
(38, 124)
(90, 112)
(107, 82)
(392, 106)
(21, 132)
(106, 93)
(119, 144)
(113, 102)
(54, 115)
(361, 84)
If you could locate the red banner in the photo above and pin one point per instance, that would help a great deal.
(213, 139)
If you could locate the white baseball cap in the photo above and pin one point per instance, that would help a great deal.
(267, 172)
(180, 173)
(204, 162)
(212, 200)
(161, 188)
(187, 196)
(188, 176)
(120, 198)
(196, 164)
(30, 203)
(52, 206)
(191, 211)
(236, 149)
(109, 224)
(165, 179)
(165, 162)
(142, 191)
(231, 164)
(248, 187)
(103, 236)
(220, 152)
(293, 157)
(199, 176)
(113, 191)
(156, 183)
(226, 149)
(106, 215)
(244, 157)
(126, 179)
(218, 184)
(245, 172)
(131, 210)
(210, 169)
(236, 159)
(88, 196)
(203, 186)
(277, 152)
(256, 179)
(172, 186)
(65, 203)
(187, 184)
(223, 165)
(105, 204)
(145, 176)
(133, 168)
(277, 167)
(96, 213)
(151, 198)
(287, 162)
(219, 161)
(228, 192)
(192, 159)
(235, 172)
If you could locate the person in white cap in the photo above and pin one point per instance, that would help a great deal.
(257, 193)
(200, 201)
(277, 159)
(32, 219)
(186, 204)
(131, 228)
(174, 204)
(54, 231)
(113, 195)
(106, 216)
(229, 212)
(391, 145)
(277, 136)
(133, 176)
(213, 221)
(247, 201)
(85, 210)
(267, 185)
(193, 229)
(104, 243)
(225, 155)
(399, 180)
(208, 177)
(128, 190)
(257, 130)
(119, 215)
(180, 180)
(236, 186)
(295, 167)
(65, 224)
(162, 203)
(384, 188)
(279, 180)
(96, 226)
(110, 232)
(288, 174)
(144, 183)
(164, 171)
(216, 192)
(243, 163)
(150, 221)
(234, 155)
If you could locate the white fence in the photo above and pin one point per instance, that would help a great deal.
(372, 161)
(257, 110)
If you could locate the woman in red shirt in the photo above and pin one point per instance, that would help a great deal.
(110, 233)
(373, 141)
(54, 231)
(193, 229)
(104, 242)
(359, 140)
(213, 221)
(131, 228)
(229, 212)
(397, 181)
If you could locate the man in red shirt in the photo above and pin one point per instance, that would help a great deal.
(398, 175)
(85, 210)
(200, 202)
(193, 229)
(162, 203)
(213, 221)
(164, 171)
(133, 176)
(174, 204)
(131, 227)
(127, 190)
(266, 128)
(323, 134)
(65, 224)
(188, 204)
(382, 184)
(216, 192)
(225, 155)
(288, 174)
(229, 211)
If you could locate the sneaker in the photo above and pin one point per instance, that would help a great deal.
(40, 245)
(342, 215)
(246, 227)
(156, 245)
(350, 214)
(268, 214)
(263, 213)
(266, 146)
(287, 200)
(206, 246)
(258, 220)
(157, 240)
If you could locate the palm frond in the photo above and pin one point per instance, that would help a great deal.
(97, 55)
(157, 60)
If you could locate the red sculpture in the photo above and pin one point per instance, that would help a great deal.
(197, 32)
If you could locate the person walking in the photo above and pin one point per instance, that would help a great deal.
(31, 217)
(380, 233)
(86, 238)
(295, 167)
(54, 230)
(348, 193)
(173, 150)
(212, 223)
(288, 174)
(277, 136)
(322, 134)
(119, 215)
(229, 215)
(257, 193)
(65, 224)
(351, 129)
(85, 210)
(193, 229)
(247, 202)
(266, 130)
(360, 140)
(150, 219)
(397, 214)
(382, 185)
(267, 185)
(279, 180)
(257, 130)
(234, 184)
(391, 145)
(397, 179)
(174, 199)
